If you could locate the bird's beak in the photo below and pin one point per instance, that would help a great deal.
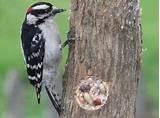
(55, 11)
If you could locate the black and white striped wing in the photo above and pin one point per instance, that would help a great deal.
(33, 47)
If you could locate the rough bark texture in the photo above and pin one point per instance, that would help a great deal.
(109, 48)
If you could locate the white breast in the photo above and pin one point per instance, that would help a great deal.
(52, 44)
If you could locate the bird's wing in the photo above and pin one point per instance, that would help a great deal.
(33, 48)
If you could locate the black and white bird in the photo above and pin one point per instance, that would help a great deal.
(42, 50)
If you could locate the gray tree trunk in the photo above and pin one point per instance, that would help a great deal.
(110, 48)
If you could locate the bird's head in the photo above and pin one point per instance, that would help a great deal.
(41, 11)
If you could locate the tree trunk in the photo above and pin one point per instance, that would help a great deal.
(110, 49)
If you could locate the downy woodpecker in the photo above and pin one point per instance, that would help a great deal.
(42, 50)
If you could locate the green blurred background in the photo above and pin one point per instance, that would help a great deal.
(11, 18)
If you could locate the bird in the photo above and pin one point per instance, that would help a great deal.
(42, 50)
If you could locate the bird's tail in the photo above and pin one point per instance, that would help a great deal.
(38, 91)
(53, 98)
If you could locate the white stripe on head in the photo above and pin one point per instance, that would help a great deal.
(31, 19)
(41, 7)
(53, 7)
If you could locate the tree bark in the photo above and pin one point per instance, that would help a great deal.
(109, 48)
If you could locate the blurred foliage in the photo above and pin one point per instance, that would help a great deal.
(150, 47)
(12, 16)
